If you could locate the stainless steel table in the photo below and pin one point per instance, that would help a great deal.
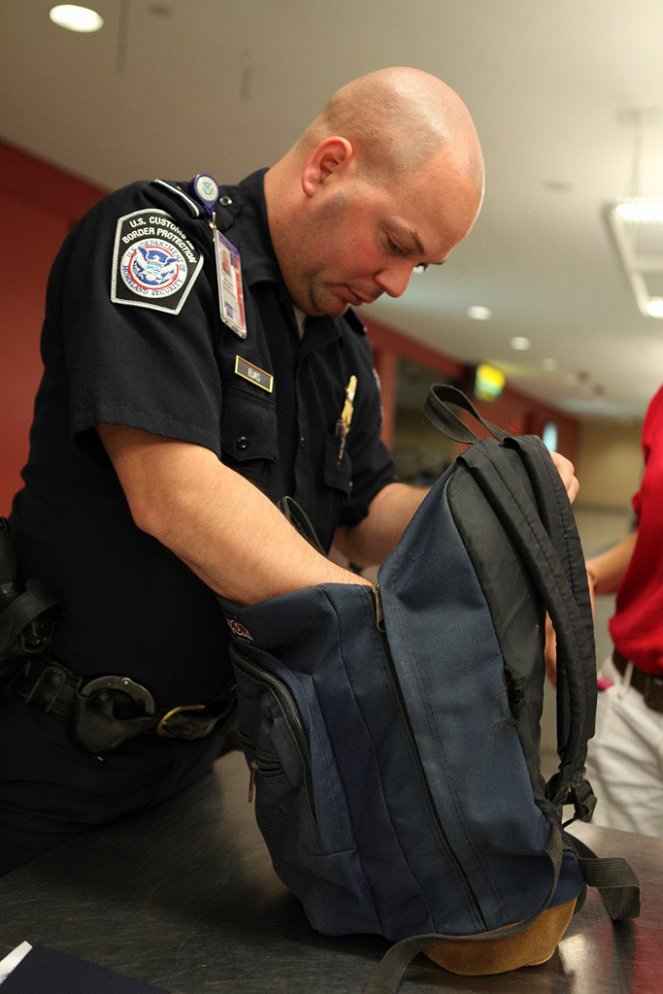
(184, 897)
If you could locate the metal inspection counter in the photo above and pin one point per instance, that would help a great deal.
(184, 897)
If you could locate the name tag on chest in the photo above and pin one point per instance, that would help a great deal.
(254, 374)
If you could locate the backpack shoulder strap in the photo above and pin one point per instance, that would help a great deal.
(576, 663)
(613, 878)
(545, 534)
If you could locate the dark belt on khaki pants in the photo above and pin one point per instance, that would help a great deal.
(104, 711)
(651, 687)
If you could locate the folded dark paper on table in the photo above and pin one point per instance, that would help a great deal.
(46, 971)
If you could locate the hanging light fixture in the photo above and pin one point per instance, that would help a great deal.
(636, 223)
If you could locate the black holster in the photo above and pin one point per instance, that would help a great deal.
(27, 615)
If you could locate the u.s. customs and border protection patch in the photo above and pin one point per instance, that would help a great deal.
(154, 263)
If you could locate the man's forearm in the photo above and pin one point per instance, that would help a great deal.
(217, 522)
(249, 551)
(606, 570)
(389, 514)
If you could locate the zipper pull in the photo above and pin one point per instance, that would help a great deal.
(253, 768)
(379, 613)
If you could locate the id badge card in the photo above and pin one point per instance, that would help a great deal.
(229, 282)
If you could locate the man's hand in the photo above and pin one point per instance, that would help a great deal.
(566, 470)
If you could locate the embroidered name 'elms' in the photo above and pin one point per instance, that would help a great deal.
(154, 263)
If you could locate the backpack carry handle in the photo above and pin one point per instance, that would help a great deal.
(436, 409)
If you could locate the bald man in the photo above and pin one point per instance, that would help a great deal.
(389, 177)
(203, 361)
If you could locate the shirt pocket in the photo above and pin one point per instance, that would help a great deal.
(331, 498)
(337, 474)
(249, 437)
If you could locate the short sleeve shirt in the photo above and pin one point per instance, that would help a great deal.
(637, 626)
(134, 336)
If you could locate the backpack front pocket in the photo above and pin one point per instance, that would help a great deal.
(296, 795)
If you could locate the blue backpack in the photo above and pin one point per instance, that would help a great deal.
(393, 733)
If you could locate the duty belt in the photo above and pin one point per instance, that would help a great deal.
(651, 687)
(104, 711)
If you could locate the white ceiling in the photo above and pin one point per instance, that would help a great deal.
(175, 87)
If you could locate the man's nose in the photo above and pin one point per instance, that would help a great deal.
(395, 278)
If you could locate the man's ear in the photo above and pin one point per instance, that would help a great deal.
(331, 156)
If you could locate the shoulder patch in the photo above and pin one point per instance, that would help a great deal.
(154, 263)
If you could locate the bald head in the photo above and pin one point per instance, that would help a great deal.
(388, 177)
(396, 118)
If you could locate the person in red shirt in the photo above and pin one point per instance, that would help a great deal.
(625, 761)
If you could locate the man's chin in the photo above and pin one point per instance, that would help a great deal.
(341, 301)
(333, 306)
(326, 301)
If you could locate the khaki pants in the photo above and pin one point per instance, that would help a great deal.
(625, 760)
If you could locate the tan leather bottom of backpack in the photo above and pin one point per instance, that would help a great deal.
(534, 945)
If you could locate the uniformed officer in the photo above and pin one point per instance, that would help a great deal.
(202, 361)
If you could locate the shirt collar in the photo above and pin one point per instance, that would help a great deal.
(254, 240)
(259, 262)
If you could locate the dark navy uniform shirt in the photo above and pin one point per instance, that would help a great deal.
(133, 336)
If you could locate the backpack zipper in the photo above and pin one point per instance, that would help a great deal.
(291, 714)
(257, 766)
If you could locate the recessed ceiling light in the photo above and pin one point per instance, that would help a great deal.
(549, 364)
(520, 344)
(479, 313)
(75, 18)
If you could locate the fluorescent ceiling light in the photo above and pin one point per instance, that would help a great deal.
(520, 344)
(75, 18)
(637, 226)
(640, 210)
(655, 307)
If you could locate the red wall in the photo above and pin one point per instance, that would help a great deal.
(38, 205)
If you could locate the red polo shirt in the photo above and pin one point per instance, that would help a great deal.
(637, 625)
